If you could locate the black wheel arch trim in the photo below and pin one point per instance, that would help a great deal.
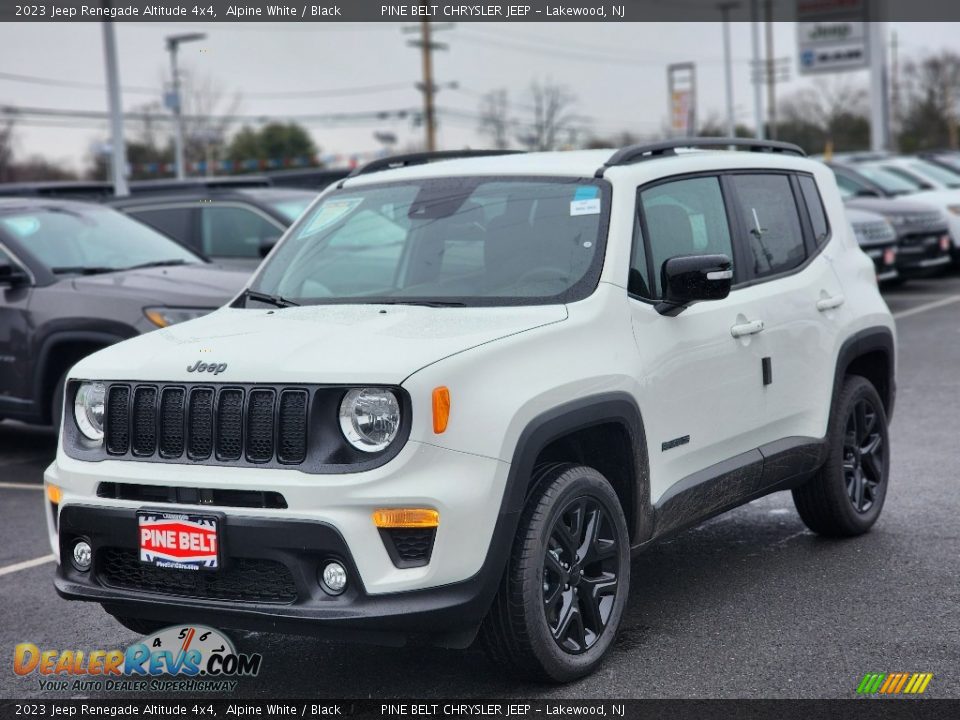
(873, 339)
(602, 409)
(116, 332)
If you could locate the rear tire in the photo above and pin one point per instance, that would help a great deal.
(846, 495)
(565, 587)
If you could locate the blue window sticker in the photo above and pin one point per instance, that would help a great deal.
(586, 192)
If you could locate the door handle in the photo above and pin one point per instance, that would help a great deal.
(748, 328)
(830, 303)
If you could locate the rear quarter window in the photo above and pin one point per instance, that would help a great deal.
(818, 216)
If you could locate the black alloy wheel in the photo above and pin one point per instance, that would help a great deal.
(863, 455)
(580, 574)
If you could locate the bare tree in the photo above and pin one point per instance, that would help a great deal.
(207, 109)
(6, 150)
(931, 91)
(494, 121)
(553, 122)
(830, 115)
(825, 102)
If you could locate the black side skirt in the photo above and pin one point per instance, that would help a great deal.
(779, 465)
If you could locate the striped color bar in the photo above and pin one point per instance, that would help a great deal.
(894, 683)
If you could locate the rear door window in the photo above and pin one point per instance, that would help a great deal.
(235, 231)
(768, 213)
(174, 222)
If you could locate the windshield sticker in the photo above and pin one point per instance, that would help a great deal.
(585, 207)
(23, 225)
(586, 192)
(329, 213)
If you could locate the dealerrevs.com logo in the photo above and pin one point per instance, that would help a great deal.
(186, 658)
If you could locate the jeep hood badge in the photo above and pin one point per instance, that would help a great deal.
(215, 368)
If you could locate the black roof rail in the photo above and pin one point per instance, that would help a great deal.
(219, 182)
(398, 161)
(638, 153)
(81, 189)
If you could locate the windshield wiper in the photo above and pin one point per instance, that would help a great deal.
(155, 263)
(275, 300)
(424, 303)
(81, 270)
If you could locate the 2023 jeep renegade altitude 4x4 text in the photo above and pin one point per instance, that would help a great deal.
(459, 394)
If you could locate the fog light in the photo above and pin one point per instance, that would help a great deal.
(334, 578)
(82, 555)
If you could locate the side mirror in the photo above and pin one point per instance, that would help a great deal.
(267, 244)
(687, 279)
(867, 192)
(12, 275)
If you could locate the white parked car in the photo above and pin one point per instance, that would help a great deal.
(458, 396)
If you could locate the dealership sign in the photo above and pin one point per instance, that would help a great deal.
(832, 36)
(832, 46)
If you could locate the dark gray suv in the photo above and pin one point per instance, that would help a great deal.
(76, 277)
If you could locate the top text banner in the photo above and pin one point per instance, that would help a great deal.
(434, 10)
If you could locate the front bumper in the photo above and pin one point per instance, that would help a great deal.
(447, 615)
(326, 517)
(922, 254)
(884, 260)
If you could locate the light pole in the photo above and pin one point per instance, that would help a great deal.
(725, 8)
(118, 150)
(173, 43)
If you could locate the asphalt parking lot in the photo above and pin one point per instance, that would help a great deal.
(749, 605)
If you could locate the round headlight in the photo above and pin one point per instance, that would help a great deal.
(370, 418)
(88, 410)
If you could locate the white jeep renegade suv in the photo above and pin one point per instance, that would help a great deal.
(459, 395)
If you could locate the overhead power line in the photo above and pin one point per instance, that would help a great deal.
(79, 84)
(265, 95)
(15, 112)
(472, 36)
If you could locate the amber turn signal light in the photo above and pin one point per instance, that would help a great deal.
(406, 518)
(441, 409)
(54, 494)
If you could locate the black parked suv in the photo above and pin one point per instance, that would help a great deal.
(233, 222)
(923, 235)
(76, 277)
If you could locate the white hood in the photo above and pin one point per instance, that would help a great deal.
(937, 198)
(313, 344)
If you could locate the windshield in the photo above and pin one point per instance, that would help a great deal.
(290, 206)
(891, 183)
(470, 241)
(78, 238)
(936, 173)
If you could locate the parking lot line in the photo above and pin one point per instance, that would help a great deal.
(21, 486)
(26, 564)
(927, 306)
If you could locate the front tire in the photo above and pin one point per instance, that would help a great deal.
(566, 583)
(846, 495)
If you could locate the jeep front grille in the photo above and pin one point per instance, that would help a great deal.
(229, 424)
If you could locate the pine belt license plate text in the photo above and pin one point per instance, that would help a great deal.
(178, 541)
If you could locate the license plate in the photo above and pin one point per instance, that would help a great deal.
(178, 541)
